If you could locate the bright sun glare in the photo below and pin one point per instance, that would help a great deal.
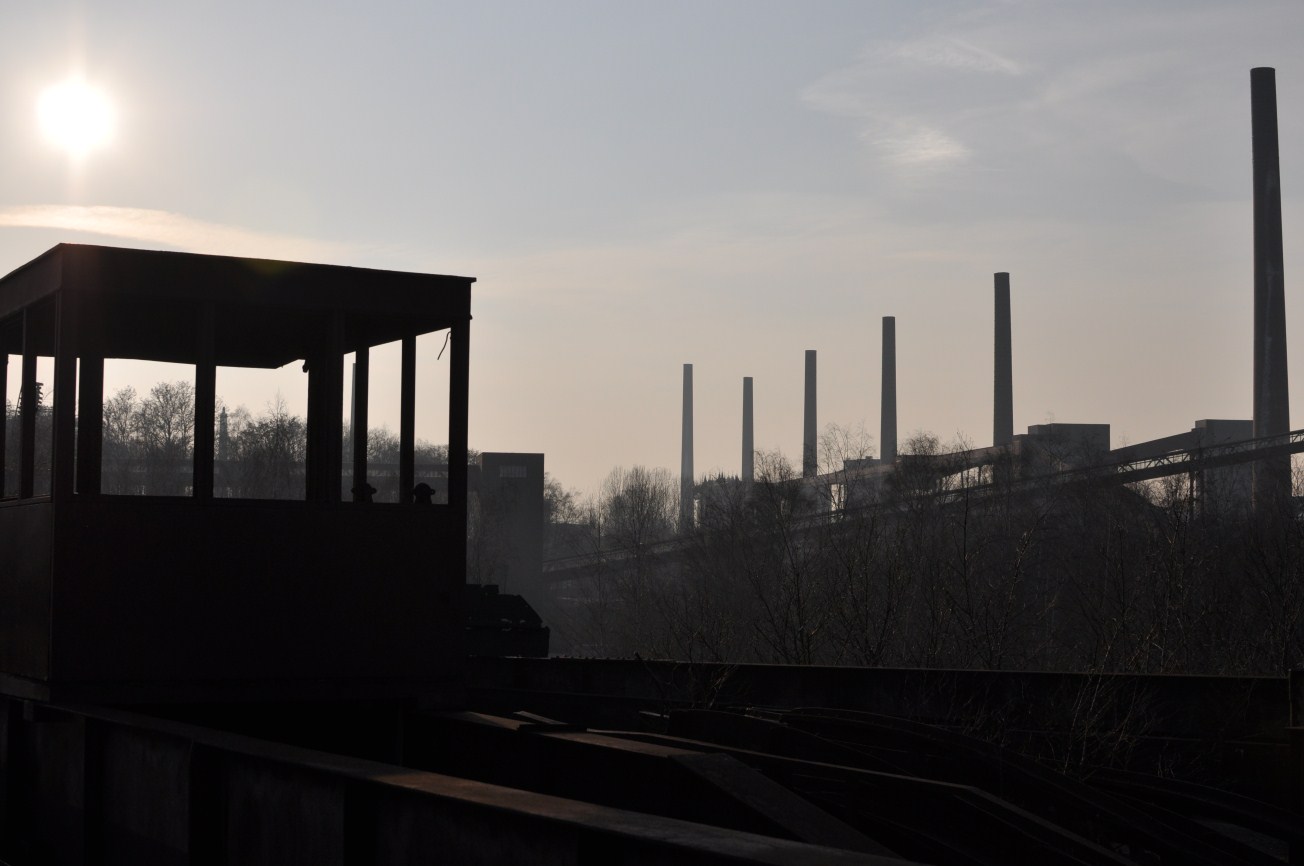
(75, 116)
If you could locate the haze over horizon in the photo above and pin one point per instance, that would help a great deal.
(728, 185)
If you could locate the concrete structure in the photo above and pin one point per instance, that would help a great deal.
(810, 432)
(1067, 445)
(1272, 483)
(336, 784)
(1227, 484)
(1224, 484)
(888, 413)
(1003, 415)
(686, 455)
(1203, 434)
(1216, 431)
(749, 443)
(509, 492)
(133, 596)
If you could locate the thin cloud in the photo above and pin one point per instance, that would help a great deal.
(169, 229)
(1032, 93)
(914, 135)
(950, 52)
(922, 148)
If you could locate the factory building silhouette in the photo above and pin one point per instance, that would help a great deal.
(193, 678)
(1051, 446)
(1078, 445)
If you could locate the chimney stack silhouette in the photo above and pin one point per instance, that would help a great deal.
(686, 456)
(749, 447)
(809, 448)
(1003, 416)
(887, 414)
(1272, 483)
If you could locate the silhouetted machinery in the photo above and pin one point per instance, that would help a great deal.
(500, 624)
(136, 597)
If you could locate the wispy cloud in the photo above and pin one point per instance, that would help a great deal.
(951, 52)
(922, 148)
(1010, 101)
(908, 100)
(166, 228)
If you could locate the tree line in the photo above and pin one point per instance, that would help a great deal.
(1177, 576)
(148, 447)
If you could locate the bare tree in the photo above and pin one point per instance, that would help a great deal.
(164, 425)
(270, 453)
(637, 509)
(121, 449)
(950, 564)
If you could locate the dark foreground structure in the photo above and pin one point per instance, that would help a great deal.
(645, 770)
(206, 680)
(116, 596)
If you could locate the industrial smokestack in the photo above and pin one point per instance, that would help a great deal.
(809, 455)
(887, 415)
(1271, 397)
(1003, 416)
(749, 448)
(686, 456)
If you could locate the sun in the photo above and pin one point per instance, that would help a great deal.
(75, 116)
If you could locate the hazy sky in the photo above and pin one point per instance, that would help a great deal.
(639, 185)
